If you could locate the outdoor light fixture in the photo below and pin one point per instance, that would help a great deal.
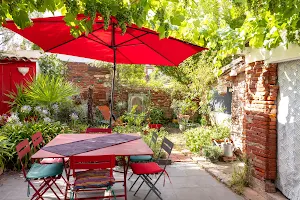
(23, 70)
(233, 72)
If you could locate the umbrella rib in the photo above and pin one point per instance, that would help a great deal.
(154, 50)
(124, 56)
(98, 42)
(134, 37)
(126, 45)
(104, 43)
(68, 41)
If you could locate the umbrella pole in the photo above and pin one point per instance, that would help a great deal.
(113, 76)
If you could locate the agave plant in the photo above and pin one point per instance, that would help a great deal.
(17, 98)
(47, 90)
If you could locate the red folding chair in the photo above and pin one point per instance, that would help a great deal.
(143, 170)
(48, 173)
(98, 130)
(97, 174)
(37, 143)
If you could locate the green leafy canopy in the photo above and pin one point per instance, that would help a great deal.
(223, 25)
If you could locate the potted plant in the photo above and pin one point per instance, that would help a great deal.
(156, 117)
(184, 109)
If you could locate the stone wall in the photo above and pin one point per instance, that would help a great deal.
(84, 75)
(238, 109)
(260, 121)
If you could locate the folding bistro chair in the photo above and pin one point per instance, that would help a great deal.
(98, 130)
(98, 174)
(48, 173)
(146, 169)
(145, 158)
(37, 143)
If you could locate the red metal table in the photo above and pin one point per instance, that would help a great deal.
(136, 147)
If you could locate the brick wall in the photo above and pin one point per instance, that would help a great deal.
(84, 75)
(260, 121)
(159, 98)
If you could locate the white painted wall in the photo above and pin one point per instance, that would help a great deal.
(277, 55)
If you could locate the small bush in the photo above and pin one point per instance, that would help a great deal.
(197, 138)
(15, 133)
(241, 176)
(212, 153)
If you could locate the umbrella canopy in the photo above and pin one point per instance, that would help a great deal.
(136, 46)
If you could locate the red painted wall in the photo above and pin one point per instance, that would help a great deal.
(10, 76)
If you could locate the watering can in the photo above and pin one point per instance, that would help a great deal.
(227, 147)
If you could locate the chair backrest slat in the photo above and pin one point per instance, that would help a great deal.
(167, 145)
(98, 130)
(92, 162)
(153, 138)
(23, 148)
(37, 140)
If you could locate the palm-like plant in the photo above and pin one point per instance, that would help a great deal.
(17, 98)
(46, 90)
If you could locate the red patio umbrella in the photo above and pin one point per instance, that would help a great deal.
(136, 46)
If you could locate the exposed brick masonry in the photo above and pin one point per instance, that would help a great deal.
(260, 121)
(84, 75)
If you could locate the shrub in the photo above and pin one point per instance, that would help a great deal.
(212, 152)
(196, 138)
(52, 66)
(5, 153)
(15, 133)
(241, 176)
(156, 148)
(47, 90)
(156, 115)
(127, 129)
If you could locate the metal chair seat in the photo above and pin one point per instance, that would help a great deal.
(38, 170)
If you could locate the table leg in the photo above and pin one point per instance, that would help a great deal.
(126, 166)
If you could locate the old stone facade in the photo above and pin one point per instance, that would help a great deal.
(254, 113)
(84, 75)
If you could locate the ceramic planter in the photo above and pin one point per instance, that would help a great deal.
(155, 126)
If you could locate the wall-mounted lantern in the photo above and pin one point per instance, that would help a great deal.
(23, 70)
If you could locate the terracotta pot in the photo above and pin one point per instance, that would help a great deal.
(156, 126)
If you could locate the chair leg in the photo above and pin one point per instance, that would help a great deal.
(149, 183)
(130, 176)
(54, 182)
(134, 182)
(37, 192)
(153, 188)
(138, 188)
(49, 185)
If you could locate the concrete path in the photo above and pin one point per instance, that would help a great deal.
(189, 182)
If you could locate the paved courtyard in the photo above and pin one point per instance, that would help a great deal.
(188, 182)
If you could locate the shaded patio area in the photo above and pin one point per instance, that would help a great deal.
(189, 181)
